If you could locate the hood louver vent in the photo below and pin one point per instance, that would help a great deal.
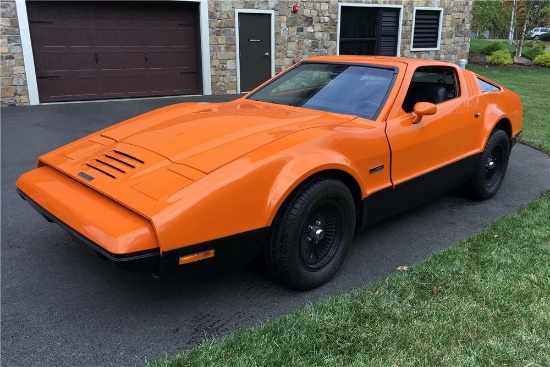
(115, 163)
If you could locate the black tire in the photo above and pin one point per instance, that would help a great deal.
(311, 234)
(491, 168)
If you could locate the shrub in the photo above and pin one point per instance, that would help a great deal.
(534, 51)
(492, 47)
(545, 37)
(543, 59)
(500, 57)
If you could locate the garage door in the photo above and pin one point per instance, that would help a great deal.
(100, 50)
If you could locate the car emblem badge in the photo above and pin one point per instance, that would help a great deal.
(86, 176)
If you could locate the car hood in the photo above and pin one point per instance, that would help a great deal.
(206, 137)
(146, 159)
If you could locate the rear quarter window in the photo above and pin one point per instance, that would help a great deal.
(486, 86)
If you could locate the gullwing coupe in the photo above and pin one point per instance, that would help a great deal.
(287, 173)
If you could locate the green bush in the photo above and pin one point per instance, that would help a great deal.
(534, 51)
(545, 37)
(492, 47)
(500, 57)
(543, 59)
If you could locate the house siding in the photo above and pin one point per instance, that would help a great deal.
(309, 32)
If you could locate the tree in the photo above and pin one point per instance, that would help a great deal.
(491, 15)
(528, 14)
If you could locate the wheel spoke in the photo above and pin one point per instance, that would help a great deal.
(320, 237)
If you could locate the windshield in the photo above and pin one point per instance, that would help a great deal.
(350, 89)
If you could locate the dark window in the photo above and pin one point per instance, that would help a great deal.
(434, 85)
(368, 31)
(487, 87)
(350, 89)
(426, 29)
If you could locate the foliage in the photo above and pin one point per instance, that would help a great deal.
(545, 37)
(492, 47)
(500, 57)
(543, 59)
(491, 15)
(484, 302)
(535, 50)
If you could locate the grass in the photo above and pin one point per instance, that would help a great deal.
(532, 86)
(485, 302)
(476, 45)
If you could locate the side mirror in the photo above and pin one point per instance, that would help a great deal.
(422, 109)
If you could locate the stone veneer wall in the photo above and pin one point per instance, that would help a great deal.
(14, 81)
(312, 31)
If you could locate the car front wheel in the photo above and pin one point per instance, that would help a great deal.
(491, 167)
(311, 234)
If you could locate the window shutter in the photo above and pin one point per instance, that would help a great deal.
(426, 29)
(389, 32)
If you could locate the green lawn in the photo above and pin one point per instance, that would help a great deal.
(484, 302)
(476, 45)
(532, 85)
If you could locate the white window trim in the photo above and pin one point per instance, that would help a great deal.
(28, 56)
(237, 49)
(438, 31)
(400, 26)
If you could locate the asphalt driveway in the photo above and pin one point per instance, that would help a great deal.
(63, 306)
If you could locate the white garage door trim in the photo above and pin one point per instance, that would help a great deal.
(28, 56)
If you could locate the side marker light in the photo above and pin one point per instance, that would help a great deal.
(196, 257)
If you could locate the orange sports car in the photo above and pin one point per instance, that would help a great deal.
(287, 173)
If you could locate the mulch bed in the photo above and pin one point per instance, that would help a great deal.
(477, 59)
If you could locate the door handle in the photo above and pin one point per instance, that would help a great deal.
(266, 54)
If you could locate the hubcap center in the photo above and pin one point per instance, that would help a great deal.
(316, 233)
(490, 164)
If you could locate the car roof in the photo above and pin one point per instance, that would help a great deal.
(378, 60)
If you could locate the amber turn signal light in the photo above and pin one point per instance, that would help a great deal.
(196, 257)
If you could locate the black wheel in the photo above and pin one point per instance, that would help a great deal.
(311, 234)
(491, 167)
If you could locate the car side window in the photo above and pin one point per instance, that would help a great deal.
(486, 86)
(431, 84)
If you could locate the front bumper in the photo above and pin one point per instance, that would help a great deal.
(122, 236)
(147, 260)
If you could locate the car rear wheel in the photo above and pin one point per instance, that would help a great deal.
(311, 234)
(491, 167)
